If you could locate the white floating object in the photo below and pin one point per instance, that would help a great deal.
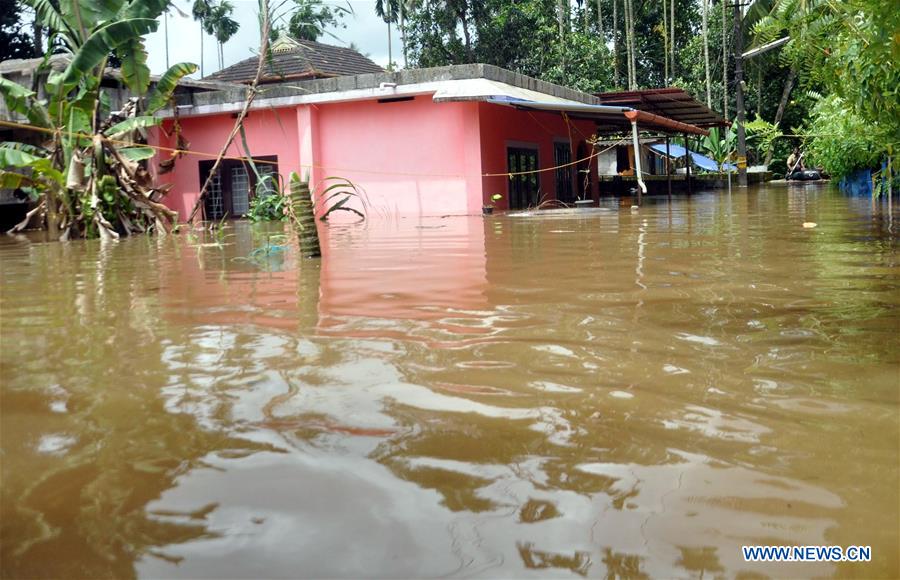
(809, 224)
(621, 395)
(635, 207)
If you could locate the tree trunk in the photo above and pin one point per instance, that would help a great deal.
(562, 10)
(390, 65)
(403, 35)
(202, 74)
(631, 46)
(724, 61)
(600, 19)
(782, 104)
(627, 5)
(615, 33)
(467, 37)
(672, 37)
(706, 52)
(665, 12)
(37, 38)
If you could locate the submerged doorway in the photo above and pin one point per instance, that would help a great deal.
(524, 190)
(562, 156)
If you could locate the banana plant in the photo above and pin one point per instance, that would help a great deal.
(720, 145)
(88, 171)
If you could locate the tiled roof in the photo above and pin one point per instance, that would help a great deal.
(304, 59)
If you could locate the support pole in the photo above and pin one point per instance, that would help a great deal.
(668, 169)
(642, 188)
(687, 163)
(739, 96)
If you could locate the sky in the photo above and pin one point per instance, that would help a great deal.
(366, 30)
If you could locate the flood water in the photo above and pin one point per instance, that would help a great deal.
(617, 393)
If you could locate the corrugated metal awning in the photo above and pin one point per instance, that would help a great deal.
(610, 115)
(671, 102)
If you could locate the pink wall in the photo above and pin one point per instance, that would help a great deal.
(502, 126)
(269, 132)
(413, 157)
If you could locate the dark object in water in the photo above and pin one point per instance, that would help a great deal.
(804, 175)
(487, 209)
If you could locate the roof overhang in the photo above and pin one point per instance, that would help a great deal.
(441, 91)
(610, 115)
(671, 102)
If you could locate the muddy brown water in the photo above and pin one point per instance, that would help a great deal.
(618, 393)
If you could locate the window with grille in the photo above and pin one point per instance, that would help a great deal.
(235, 184)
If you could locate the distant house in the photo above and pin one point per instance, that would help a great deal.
(293, 60)
(420, 142)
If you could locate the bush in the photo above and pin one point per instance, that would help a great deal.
(268, 207)
(841, 141)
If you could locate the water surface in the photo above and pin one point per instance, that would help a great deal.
(621, 393)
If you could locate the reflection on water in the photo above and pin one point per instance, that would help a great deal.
(632, 394)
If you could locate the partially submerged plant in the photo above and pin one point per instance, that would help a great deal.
(267, 206)
(88, 173)
(338, 192)
(302, 215)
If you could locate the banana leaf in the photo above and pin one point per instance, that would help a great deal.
(137, 153)
(100, 43)
(128, 125)
(165, 86)
(135, 71)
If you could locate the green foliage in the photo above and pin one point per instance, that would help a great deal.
(720, 145)
(761, 135)
(162, 92)
(851, 49)
(73, 172)
(267, 208)
(842, 141)
(336, 194)
(310, 19)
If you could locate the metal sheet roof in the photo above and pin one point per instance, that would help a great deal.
(672, 102)
(612, 116)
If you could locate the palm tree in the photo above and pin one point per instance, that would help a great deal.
(665, 35)
(220, 25)
(200, 11)
(672, 36)
(629, 44)
(310, 18)
(615, 32)
(387, 10)
(600, 19)
(706, 52)
(724, 60)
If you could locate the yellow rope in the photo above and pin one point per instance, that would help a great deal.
(176, 151)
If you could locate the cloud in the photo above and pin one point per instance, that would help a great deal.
(364, 29)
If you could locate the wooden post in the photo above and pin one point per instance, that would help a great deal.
(668, 169)
(687, 163)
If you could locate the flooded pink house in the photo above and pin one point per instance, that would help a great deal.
(423, 142)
